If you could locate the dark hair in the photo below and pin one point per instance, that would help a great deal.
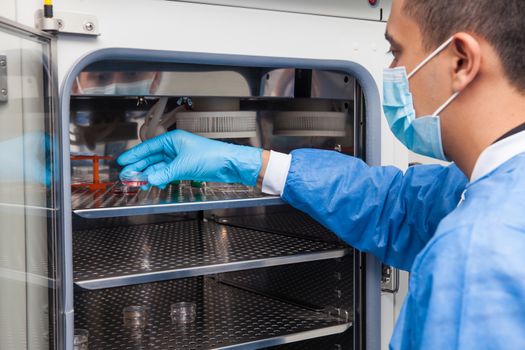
(500, 22)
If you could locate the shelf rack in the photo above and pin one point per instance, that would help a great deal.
(175, 198)
(227, 318)
(124, 255)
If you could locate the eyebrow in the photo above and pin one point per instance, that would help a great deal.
(390, 39)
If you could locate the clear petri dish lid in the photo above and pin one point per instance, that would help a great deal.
(133, 178)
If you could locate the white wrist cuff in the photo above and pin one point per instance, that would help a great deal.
(276, 173)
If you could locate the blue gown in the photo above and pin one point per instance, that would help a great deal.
(467, 262)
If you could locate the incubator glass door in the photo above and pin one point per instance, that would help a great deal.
(28, 190)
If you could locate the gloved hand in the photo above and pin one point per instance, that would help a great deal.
(23, 159)
(180, 155)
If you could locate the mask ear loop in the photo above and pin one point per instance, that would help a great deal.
(446, 104)
(79, 86)
(431, 56)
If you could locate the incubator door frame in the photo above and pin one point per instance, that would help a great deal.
(370, 293)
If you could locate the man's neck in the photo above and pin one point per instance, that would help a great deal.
(481, 124)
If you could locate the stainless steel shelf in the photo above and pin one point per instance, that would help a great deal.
(289, 221)
(304, 283)
(102, 204)
(125, 255)
(227, 318)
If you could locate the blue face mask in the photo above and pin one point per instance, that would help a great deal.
(421, 135)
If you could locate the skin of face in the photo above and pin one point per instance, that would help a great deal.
(431, 85)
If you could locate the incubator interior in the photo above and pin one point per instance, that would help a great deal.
(260, 273)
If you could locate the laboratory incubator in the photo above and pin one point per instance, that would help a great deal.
(111, 263)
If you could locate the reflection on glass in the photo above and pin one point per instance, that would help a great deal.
(27, 205)
(116, 83)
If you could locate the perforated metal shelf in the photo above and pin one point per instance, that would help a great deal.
(101, 204)
(318, 283)
(125, 255)
(287, 222)
(227, 318)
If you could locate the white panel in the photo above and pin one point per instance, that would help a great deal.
(391, 305)
(361, 9)
(387, 318)
(8, 9)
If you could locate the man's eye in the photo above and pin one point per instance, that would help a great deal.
(395, 56)
(103, 77)
(392, 52)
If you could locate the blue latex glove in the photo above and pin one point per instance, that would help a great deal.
(23, 159)
(180, 155)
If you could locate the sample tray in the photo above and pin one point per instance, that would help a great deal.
(227, 318)
(180, 198)
(125, 255)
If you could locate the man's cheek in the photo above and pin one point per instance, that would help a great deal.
(420, 96)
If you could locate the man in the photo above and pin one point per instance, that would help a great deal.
(463, 243)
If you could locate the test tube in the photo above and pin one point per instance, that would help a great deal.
(81, 339)
(183, 312)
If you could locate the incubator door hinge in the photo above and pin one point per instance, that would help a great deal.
(68, 22)
(3, 79)
(389, 279)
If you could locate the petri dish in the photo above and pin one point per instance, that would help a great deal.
(132, 178)
(120, 189)
(81, 339)
(183, 312)
(135, 316)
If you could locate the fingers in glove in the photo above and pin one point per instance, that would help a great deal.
(152, 171)
(144, 163)
(164, 175)
(144, 150)
(155, 167)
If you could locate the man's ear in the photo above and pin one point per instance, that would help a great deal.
(466, 56)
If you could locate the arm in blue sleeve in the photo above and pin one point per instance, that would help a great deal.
(374, 209)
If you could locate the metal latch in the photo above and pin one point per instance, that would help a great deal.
(3, 79)
(68, 22)
(389, 279)
(338, 313)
